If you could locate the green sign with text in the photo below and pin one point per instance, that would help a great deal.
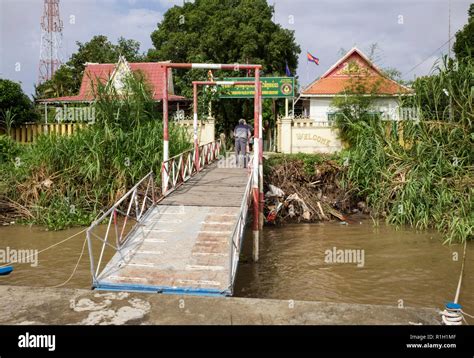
(272, 87)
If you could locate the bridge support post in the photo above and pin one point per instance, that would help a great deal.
(164, 169)
(195, 128)
(256, 168)
(260, 161)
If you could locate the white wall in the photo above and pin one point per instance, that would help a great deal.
(321, 106)
(315, 140)
(388, 105)
(307, 136)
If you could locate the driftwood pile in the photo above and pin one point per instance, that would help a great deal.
(10, 211)
(298, 193)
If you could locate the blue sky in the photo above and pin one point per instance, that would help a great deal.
(407, 32)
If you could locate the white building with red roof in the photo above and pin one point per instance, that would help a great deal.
(317, 97)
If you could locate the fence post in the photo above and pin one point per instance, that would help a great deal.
(285, 135)
(29, 130)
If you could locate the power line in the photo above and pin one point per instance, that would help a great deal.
(431, 54)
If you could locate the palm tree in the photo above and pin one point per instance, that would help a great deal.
(8, 118)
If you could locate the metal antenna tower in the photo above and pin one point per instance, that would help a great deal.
(51, 38)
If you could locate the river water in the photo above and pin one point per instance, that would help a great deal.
(392, 267)
(400, 266)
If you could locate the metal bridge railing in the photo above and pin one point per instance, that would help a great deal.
(180, 168)
(116, 225)
(120, 221)
(208, 153)
(238, 233)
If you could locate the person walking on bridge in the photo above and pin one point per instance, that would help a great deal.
(241, 135)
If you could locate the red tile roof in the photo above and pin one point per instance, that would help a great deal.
(337, 79)
(154, 73)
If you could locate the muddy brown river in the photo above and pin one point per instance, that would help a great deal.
(357, 263)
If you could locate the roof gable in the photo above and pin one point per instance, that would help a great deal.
(343, 66)
(354, 63)
(121, 71)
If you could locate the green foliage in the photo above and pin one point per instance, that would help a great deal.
(447, 92)
(228, 31)
(464, 45)
(354, 107)
(67, 180)
(309, 161)
(8, 120)
(14, 100)
(9, 149)
(62, 84)
(125, 109)
(427, 181)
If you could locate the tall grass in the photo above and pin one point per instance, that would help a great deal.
(428, 180)
(67, 180)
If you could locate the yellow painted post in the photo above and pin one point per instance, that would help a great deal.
(401, 140)
(34, 132)
(69, 128)
(29, 129)
(23, 134)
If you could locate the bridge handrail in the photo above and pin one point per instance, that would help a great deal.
(236, 237)
(179, 169)
(138, 205)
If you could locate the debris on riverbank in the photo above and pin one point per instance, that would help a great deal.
(307, 188)
(10, 211)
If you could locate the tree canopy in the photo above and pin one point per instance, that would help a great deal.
(464, 45)
(227, 31)
(14, 103)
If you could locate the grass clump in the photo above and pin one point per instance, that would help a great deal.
(64, 181)
(425, 180)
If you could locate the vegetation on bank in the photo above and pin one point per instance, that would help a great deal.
(426, 179)
(420, 174)
(62, 181)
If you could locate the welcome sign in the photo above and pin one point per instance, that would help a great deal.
(272, 87)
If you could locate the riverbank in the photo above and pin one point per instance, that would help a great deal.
(64, 181)
(322, 187)
(40, 306)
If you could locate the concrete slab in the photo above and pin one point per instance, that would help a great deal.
(46, 306)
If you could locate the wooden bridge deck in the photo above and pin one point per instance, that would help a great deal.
(183, 244)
